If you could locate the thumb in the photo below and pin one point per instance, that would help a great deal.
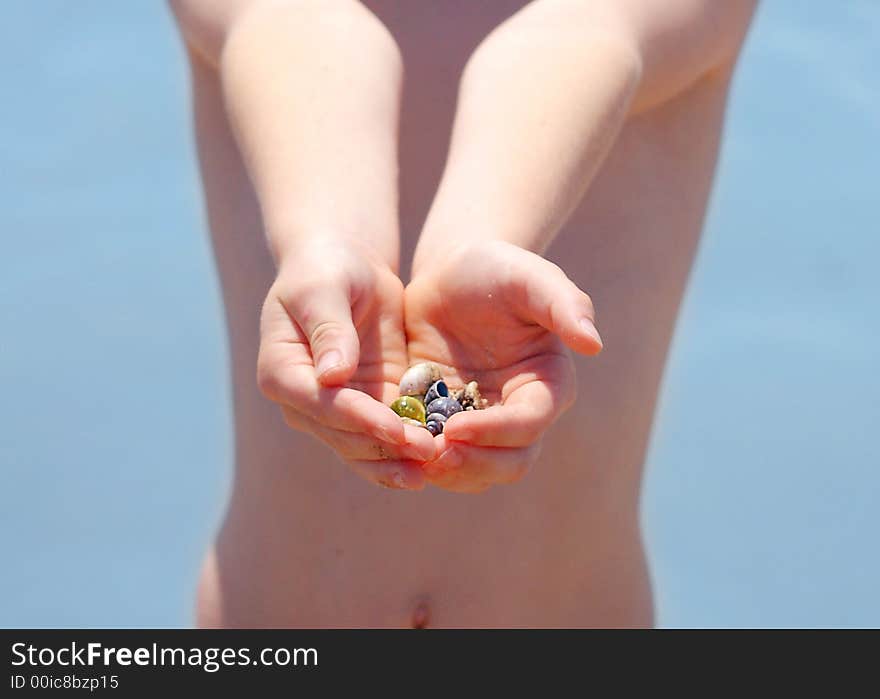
(324, 314)
(554, 302)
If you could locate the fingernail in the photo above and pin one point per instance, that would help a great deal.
(413, 452)
(590, 329)
(409, 451)
(329, 360)
(449, 460)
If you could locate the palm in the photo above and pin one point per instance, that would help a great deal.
(483, 342)
(472, 324)
(505, 317)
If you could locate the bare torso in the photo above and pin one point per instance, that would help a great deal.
(306, 543)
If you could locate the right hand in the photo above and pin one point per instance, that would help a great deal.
(332, 349)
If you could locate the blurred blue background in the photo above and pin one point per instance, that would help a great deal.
(761, 501)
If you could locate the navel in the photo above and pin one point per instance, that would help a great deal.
(421, 615)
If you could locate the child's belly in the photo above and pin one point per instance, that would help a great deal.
(307, 543)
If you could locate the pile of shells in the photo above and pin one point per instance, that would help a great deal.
(426, 401)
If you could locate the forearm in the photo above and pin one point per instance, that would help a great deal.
(543, 99)
(312, 92)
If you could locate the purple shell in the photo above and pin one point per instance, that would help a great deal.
(445, 406)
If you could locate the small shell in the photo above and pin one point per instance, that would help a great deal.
(411, 407)
(438, 389)
(444, 406)
(418, 379)
(435, 423)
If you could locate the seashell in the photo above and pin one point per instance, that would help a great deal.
(445, 406)
(470, 397)
(411, 407)
(435, 423)
(418, 379)
(438, 389)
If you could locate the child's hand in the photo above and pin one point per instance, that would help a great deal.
(503, 316)
(332, 351)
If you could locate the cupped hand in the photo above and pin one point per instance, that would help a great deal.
(505, 317)
(332, 349)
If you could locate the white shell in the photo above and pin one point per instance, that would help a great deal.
(418, 379)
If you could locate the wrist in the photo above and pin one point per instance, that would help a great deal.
(326, 248)
(458, 239)
(432, 248)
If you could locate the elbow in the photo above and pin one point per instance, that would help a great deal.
(320, 23)
(609, 40)
(686, 44)
(204, 25)
(620, 52)
(208, 26)
(581, 44)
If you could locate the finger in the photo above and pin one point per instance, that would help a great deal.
(296, 386)
(508, 425)
(464, 468)
(499, 426)
(324, 314)
(521, 419)
(399, 475)
(550, 299)
(349, 446)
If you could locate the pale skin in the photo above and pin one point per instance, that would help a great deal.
(585, 133)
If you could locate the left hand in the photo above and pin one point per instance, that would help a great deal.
(503, 316)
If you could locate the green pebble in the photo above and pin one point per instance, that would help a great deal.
(411, 407)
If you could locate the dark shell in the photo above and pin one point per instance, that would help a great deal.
(444, 406)
(438, 389)
(435, 423)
